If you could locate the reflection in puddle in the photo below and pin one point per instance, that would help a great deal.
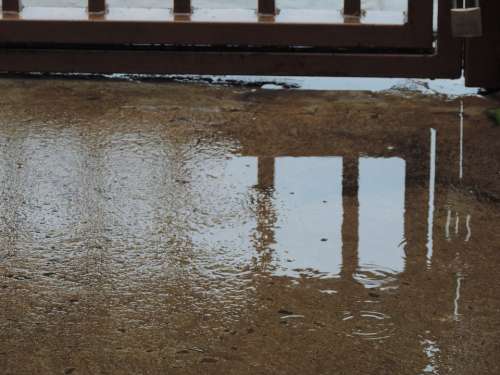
(137, 234)
(369, 325)
(211, 215)
(309, 205)
(432, 189)
(309, 210)
(456, 301)
(432, 351)
(381, 219)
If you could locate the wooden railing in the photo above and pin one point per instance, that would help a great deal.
(102, 40)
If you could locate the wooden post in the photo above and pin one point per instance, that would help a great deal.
(14, 6)
(182, 6)
(267, 7)
(97, 6)
(352, 8)
(482, 55)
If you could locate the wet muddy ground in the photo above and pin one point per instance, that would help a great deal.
(188, 229)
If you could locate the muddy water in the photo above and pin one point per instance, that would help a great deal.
(182, 229)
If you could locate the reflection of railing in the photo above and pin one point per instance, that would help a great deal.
(418, 226)
(428, 218)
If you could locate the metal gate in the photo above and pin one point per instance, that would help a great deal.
(177, 41)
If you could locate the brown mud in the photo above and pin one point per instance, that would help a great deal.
(184, 229)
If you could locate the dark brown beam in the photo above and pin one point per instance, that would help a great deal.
(12, 6)
(97, 6)
(352, 7)
(267, 7)
(482, 55)
(182, 6)
(420, 15)
(445, 64)
(234, 63)
(211, 33)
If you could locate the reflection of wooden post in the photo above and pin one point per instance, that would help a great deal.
(266, 220)
(266, 217)
(448, 204)
(266, 172)
(416, 209)
(350, 223)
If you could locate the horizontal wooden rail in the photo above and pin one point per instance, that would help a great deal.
(75, 26)
(211, 33)
(236, 63)
(157, 41)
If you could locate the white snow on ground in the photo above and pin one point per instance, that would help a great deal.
(448, 87)
(439, 86)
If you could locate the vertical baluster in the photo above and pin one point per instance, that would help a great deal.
(182, 6)
(12, 6)
(97, 6)
(352, 7)
(267, 7)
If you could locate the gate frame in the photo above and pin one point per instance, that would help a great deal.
(443, 62)
(482, 55)
(77, 26)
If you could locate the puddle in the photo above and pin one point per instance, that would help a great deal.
(369, 325)
(155, 226)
